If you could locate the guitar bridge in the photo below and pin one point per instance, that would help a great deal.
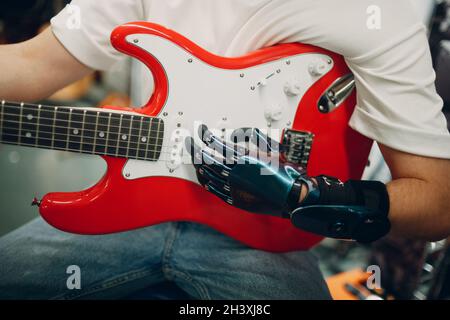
(297, 147)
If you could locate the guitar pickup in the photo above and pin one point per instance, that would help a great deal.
(297, 146)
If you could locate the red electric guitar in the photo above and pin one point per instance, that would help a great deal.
(298, 94)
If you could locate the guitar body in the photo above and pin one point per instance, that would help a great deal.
(192, 85)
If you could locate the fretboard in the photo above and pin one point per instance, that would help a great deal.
(81, 130)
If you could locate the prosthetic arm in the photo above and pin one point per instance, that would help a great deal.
(354, 210)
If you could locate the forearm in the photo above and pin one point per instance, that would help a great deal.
(37, 68)
(419, 209)
(419, 195)
(17, 72)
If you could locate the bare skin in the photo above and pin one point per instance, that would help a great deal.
(419, 193)
(37, 68)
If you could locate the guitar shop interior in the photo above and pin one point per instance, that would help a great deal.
(418, 270)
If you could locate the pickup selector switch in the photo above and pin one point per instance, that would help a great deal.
(175, 151)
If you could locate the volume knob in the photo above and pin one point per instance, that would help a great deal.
(274, 112)
(318, 67)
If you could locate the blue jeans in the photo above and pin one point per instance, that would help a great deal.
(196, 260)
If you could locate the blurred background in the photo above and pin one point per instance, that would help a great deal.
(26, 172)
(418, 270)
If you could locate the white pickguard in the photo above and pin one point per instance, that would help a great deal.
(221, 99)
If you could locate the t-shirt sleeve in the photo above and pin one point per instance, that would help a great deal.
(84, 28)
(397, 101)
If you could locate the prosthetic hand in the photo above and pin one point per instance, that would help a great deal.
(260, 181)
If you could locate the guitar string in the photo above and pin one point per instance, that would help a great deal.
(70, 129)
(99, 153)
(150, 130)
(158, 159)
(98, 113)
(80, 135)
(163, 147)
(93, 114)
(91, 153)
(132, 118)
(79, 150)
(76, 122)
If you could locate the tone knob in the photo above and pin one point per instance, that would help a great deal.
(318, 67)
(274, 112)
(292, 88)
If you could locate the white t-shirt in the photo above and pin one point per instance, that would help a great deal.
(397, 102)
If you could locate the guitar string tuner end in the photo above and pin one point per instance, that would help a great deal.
(36, 202)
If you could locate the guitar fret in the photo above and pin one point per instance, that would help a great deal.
(113, 135)
(124, 136)
(75, 132)
(145, 136)
(95, 133)
(129, 137)
(140, 136)
(89, 132)
(160, 134)
(135, 137)
(10, 120)
(37, 126)
(20, 123)
(68, 130)
(108, 131)
(148, 142)
(54, 125)
(160, 139)
(81, 130)
(119, 136)
(60, 128)
(45, 134)
(1, 120)
(157, 138)
(28, 124)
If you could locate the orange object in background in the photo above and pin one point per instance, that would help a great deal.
(337, 284)
(74, 91)
(116, 99)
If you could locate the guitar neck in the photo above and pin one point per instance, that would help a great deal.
(81, 130)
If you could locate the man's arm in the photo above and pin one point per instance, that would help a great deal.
(415, 204)
(419, 195)
(37, 68)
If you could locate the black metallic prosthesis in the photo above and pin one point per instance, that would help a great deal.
(250, 174)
